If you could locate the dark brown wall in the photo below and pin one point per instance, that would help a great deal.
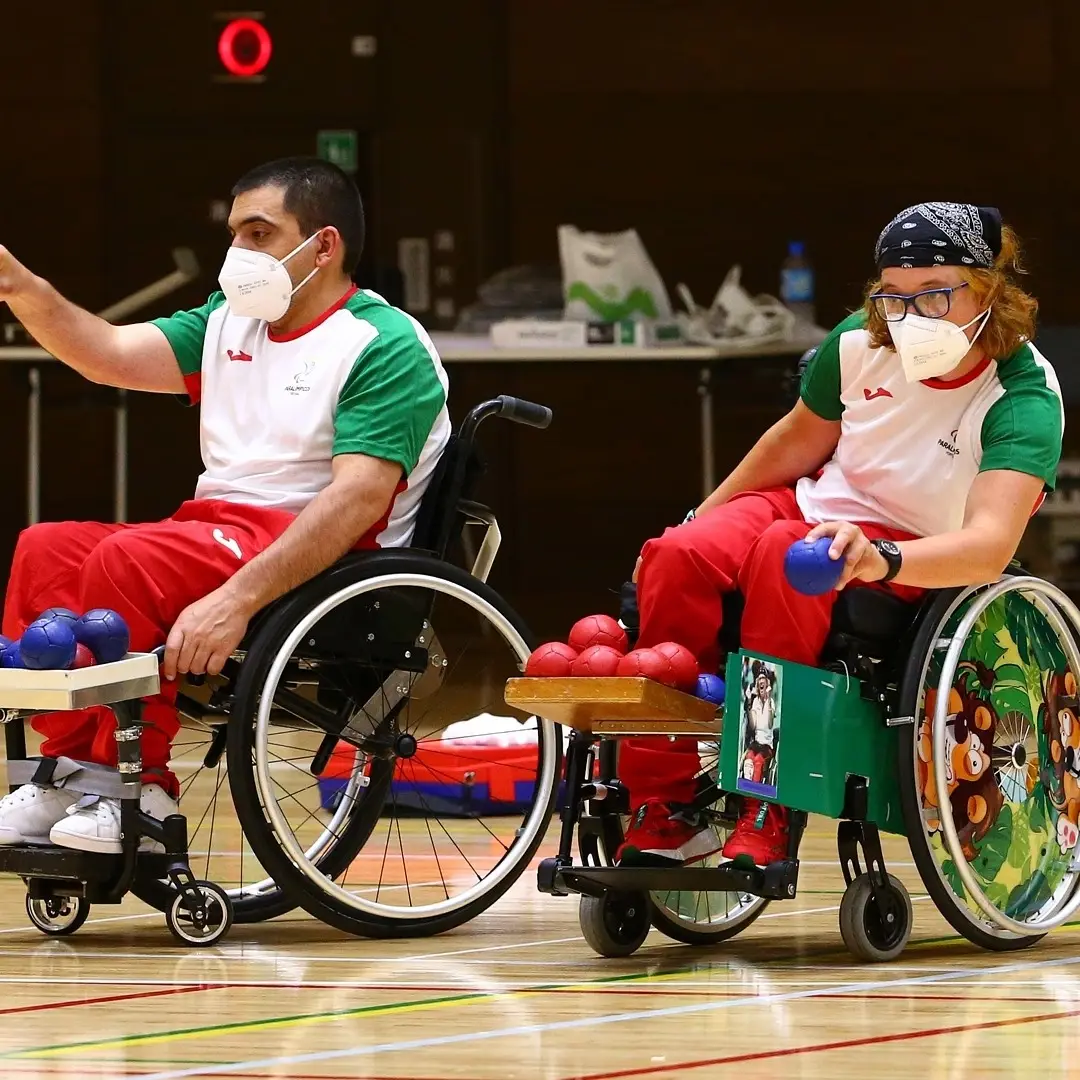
(719, 131)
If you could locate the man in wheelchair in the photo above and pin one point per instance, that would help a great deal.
(928, 428)
(323, 415)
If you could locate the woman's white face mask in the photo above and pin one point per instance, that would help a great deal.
(256, 285)
(930, 348)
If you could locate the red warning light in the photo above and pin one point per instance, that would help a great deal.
(245, 47)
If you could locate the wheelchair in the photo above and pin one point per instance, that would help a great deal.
(387, 670)
(61, 883)
(952, 722)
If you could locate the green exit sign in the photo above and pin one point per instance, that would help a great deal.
(340, 148)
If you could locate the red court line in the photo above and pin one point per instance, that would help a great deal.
(44, 1006)
(847, 1044)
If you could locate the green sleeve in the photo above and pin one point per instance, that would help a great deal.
(1022, 430)
(186, 331)
(820, 389)
(391, 398)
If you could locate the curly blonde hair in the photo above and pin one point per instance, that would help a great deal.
(1012, 318)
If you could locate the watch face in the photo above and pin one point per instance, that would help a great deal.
(889, 548)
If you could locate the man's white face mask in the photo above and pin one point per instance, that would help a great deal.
(256, 285)
(930, 348)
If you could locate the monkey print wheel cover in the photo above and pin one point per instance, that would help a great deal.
(1013, 767)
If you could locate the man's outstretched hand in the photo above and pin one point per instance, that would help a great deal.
(13, 275)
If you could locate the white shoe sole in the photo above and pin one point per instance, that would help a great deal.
(12, 840)
(96, 844)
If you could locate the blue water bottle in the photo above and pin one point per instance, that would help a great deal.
(797, 283)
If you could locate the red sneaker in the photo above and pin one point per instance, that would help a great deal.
(760, 835)
(655, 838)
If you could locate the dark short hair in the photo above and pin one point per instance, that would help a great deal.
(317, 194)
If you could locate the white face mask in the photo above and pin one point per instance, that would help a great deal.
(930, 348)
(256, 285)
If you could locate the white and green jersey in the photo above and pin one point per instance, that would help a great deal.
(364, 378)
(909, 452)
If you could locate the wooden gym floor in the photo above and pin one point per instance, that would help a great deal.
(518, 994)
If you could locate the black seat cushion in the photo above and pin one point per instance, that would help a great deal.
(872, 615)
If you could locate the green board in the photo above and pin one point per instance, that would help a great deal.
(794, 734)
(340, 148)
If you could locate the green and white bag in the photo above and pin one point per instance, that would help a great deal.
(609, 277)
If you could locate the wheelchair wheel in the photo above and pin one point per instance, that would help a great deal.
(58, 916)
(866, 932)
(615, 924)
(396, 663)
(990, 774)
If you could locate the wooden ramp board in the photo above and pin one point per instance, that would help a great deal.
(615, 706)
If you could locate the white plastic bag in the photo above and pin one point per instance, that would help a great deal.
(735, 317)
(609, 277)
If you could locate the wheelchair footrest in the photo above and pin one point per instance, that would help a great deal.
(615, 706)
(777, 881)
(86, 868)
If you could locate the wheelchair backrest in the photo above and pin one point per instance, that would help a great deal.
(454, 479)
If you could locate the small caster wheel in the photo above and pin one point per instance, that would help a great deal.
(58, 916)
(204, 923)
(866, 934)
(615, 924)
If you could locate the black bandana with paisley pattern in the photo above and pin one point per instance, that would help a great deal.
(941, 234)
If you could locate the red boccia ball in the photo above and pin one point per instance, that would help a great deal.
(648, 664)
(597, 661)
(550, 660)
(684, 665)
(83, 657)
(598, 630)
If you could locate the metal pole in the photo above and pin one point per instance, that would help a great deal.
(708, 464)
(120, 465)
(33, 449)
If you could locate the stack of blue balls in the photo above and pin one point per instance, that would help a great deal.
(59, 639)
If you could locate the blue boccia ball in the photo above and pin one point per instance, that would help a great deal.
(809, 569)
(48, 644)
(711, 688)
(11, 656)
(105, 634)
(4, 642)
(62, 613)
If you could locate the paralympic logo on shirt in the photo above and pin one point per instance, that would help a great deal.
(950, 447)
(298, 386)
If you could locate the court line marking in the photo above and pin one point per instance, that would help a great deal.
(108, 1000)
(641, 1015)
(816, 1048)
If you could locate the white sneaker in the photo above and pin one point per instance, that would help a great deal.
(93, 823)
(29, 812)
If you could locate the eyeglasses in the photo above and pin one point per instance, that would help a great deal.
(930, 303)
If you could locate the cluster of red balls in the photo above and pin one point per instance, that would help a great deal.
(597, 647)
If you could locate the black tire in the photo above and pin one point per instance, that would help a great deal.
(260, 833)
(208, 926)
(865, 934)
(952, 908)
(58, 916)
(615, 924)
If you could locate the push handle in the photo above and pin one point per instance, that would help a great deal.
(524, 412)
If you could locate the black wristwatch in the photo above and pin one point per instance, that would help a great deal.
(890, 552)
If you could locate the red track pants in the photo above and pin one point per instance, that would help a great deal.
(149, 574)
(740, 545)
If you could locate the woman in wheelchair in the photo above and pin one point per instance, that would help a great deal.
(323, 416)
(928, 429)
